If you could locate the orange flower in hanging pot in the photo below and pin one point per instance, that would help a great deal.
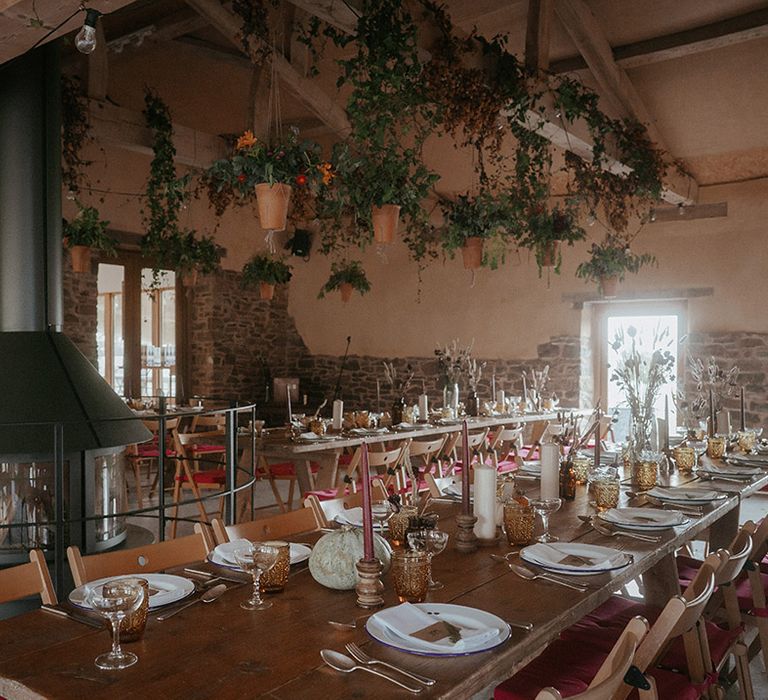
(301, 180)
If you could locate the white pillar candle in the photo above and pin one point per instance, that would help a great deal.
(485, 501)
(338, 414)
(724, 422)
(500, 397)
(423, 407)
(550, 470)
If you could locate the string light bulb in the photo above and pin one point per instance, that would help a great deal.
(85, 41)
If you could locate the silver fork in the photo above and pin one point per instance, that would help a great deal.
(362, 658)
(611, 532)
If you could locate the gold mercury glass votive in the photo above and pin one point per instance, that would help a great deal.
(274, 580)
(644, 473)
(410, 575)
(398, 524)
(685, 458)
(747, 440)
(606, 490)
(716, 447)
(132, 626)
(519, 521)
(581, 466)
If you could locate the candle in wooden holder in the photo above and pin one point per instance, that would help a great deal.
(598, 434)
(423, 408)
(485, 503)
(465, 470)
(338, 414)
(367, 509)
(712, 425)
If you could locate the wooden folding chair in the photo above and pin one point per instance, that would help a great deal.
(145, 559)
(294, 522)
(28, 579)
(613, 670)
(189, 475)
(326, 511)
(445, 457)
(752, 600)
(437, 485)
(384, 464)
(476, 442)
(146, 455)
(538, 428)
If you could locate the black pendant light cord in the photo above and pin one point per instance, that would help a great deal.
(81, 8)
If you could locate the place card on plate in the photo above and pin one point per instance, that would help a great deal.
(575, 558)
(643, 518)
(684, 495)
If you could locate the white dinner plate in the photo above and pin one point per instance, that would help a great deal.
(546, 556)
(354, 517)
(456, 614)
(222, 554)
(682, 496)
(734, 470)
(643, 518)
(163, 589)
(532, 467)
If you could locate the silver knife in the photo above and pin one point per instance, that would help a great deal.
(75, 617)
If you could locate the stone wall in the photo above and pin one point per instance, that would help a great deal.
(749, 351)
(80, 294)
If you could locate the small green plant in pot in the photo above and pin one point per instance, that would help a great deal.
(609, 262)
(547, 230)
(267, 272)
(346, 276)
(182, 252)
(473, 220)
(85, 233)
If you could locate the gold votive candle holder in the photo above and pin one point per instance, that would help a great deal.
(581, 467)
(410, 575)
(606, 490)
(273, 580)
(716, 447)
(747, 439)
(685, 458)
(399, 523)
(645, 473)
(132, 626)
(519, 522)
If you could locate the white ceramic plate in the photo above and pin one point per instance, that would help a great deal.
(612, 559)
(735, 470)
(354, 518)
(222, 554)
(643, 518)
(457, 614)
(682, 496)
(531, 467)
(164, 589)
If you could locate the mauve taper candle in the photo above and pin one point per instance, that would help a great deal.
(465, 470)
(742, 411)
(367, 511)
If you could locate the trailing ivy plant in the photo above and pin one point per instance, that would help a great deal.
(612, 258)
(75, 134)
(546, 228)
(267, 269)
(346, 272)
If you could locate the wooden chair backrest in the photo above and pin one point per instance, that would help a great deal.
(426, 449)
(326, 511)
(216, 422)
(145, 559)
(475, 440)
(153, 426)
(450, 445)
(738, 554)
(437, 485)
(504, 435)
(385, 460)
(610, 675)
(28, 579)
(759, 533)
(277, 526)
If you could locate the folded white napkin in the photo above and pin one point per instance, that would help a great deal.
(405, 426)
(643, 516)
(683, 494)
(351, 516)
(578, 557)
(405, 619)
(739, 468)
(309, 436)
(533, 467)
(455, 489)
(227, 550)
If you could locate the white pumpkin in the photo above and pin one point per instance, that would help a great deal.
(335, 555)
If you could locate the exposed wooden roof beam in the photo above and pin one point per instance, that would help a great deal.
(585, 31)
(697, 211)
(304, 88)
(727, 32)
(337, 13)
(169, 27)
(537, 35)
(126, 128)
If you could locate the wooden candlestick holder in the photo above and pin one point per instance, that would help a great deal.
(466, 540)
(369, 587)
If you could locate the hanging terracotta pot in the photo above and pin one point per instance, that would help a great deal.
(266, 291)
(609, 286)
(549, 253)
(346, 291)
(472, 253)
(385, 219)
(189, 278)
(81, 258)
(272, 201)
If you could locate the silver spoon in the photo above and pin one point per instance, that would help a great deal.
(341, 662)
(208, 597)
(529, 575)
(608, 531)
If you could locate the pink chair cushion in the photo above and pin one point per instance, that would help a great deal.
(151, 451)
(209, 476)
(507, 465)
(205, 448)
(603, 626)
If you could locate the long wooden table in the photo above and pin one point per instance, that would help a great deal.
(326, 452)
(222, 651)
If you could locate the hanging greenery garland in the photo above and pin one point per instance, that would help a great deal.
(75, 134)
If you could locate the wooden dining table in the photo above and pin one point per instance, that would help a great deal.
(221, 651)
